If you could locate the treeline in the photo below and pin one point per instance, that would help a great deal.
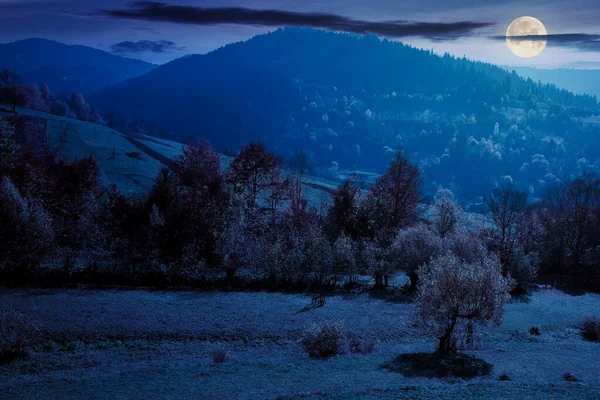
(14, 93)
(250, 224)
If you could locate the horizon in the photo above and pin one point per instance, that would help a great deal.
(591, 66)
(159, 32)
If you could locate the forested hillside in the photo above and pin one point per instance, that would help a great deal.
(350, 100)
(67, 69)
(581, 81)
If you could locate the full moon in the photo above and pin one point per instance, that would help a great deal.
(526, 26)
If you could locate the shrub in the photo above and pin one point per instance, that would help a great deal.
(570, 378)
(534, 331)
(325, 339)
(504, 377)
(591, 328)
(17, 334)
(219, 354)
(361, 346)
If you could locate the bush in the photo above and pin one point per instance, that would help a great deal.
(361, 346)
(504, 377)
(534, 331)
(570, 378)
(325, 339)
(219, 354)
(17, 334)
(591, 328)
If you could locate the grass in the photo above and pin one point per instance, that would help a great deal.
(158, 344)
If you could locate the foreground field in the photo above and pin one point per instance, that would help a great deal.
(140, 344)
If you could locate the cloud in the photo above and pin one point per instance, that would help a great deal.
(157, 11)
(580, 41)
(144, 46)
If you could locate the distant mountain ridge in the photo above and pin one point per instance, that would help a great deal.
(68, 68)
(349, 100)
(580, 81)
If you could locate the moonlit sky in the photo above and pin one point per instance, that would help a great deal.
(84, 22)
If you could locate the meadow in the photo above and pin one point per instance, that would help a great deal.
(155, 344)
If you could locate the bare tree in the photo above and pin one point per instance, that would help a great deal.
(300, 166)
(507, 207)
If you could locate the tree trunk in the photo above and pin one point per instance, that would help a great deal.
(445, 346)
(414, 280)
(230, 273)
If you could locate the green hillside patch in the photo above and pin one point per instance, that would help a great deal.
(72, 139)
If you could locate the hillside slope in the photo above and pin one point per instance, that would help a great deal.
(581, 81)
(132, 162)
(124, 161)
(349, 100)
(68, 69)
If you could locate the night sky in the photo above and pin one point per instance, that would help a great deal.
(160, 32)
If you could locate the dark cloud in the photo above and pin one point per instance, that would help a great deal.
(579, 41)
(156, 11)
(144, 46)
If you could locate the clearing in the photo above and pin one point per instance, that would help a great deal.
(157, 344)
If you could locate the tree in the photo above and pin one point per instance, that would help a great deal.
(507, 207)
(14, 95)
(236, 243)
(414, 247)
(375, 259)
(200, 217)
(396, 194)
(344, 211)
(300, 166)
(26, 235)
(452, 292)
(253, 171)
(199, 166)
(344, 258)
(282, 190)
(8, 147)
(80, 107)
(570, 215)
(446, 213)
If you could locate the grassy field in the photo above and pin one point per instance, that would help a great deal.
(132, 162)
(153, 344)
(121, 162)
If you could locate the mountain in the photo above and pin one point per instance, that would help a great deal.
(68, 69)
(580, 81)
(349, 100)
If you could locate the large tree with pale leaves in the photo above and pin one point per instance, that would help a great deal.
(453, 293)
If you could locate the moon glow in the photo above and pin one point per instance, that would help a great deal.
(526, 26)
